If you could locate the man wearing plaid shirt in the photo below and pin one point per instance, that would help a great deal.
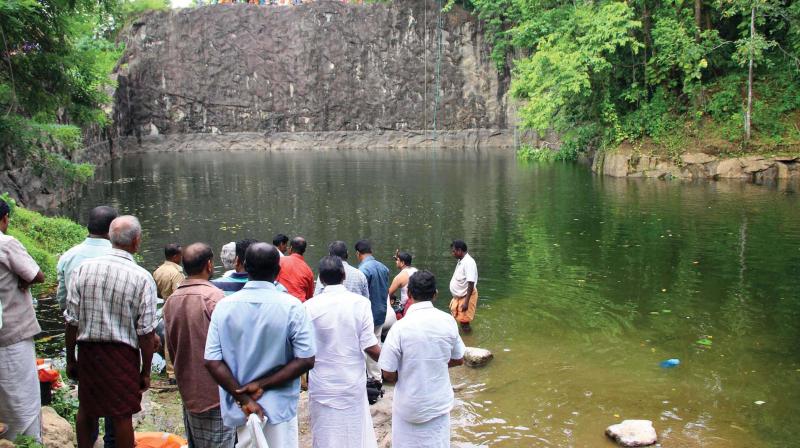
(111, 316)
(354, 280)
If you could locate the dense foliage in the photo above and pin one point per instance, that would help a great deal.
(55, 61)
(605, 72)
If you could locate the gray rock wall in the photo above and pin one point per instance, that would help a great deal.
(318, 67)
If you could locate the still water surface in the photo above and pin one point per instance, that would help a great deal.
(586, 283)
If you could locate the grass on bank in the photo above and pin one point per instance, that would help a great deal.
(45, 239)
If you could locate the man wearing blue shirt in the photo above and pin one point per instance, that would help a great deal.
(260, 341)
(378, 284)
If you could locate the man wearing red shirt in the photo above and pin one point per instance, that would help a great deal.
(295, 274)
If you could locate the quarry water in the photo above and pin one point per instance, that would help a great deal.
(586, 283)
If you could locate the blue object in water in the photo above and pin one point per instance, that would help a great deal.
(670, 363)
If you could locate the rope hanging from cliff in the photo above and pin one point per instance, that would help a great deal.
(438, 81)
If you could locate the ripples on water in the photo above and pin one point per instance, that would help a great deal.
(586, 283)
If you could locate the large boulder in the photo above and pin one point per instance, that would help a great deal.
(633, 433)
(477, 357)
(56, 431)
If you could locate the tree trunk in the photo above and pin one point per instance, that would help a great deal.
(698, 18)
(749, 112)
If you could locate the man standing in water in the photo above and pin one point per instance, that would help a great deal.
(95, 245)
(378, 282)
(416, 355)
(187, 315)
(463, 286)
(20, 404)
(400, 283)
(259, 343)
(111, 315)
(343, 327)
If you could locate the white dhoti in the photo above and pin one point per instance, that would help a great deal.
(20, 400)
(281, 435)
(435, 433)
(350, 427)
(373, 370)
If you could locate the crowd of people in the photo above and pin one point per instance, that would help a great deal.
(238, 345)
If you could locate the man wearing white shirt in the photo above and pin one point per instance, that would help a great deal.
(463, 286)
(344, 331)
(416, 355)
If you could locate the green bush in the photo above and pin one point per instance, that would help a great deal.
(45, 239)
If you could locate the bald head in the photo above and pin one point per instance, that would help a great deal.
(262, 262)
(298, 245)
(198, 260)
(125, 233)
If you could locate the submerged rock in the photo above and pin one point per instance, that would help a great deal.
(477, 357)
(56, 431)
(633, 433)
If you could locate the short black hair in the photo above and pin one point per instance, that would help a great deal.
(241, 247)
(338, 249)
(405, 257)
(422, 286)
(331, 270)
(195, 258)
(299, 245)
(363, 247)
(100, 219)
(459, 244)
(280, 239)
(172, 249)
(4, 209)
(262, 262)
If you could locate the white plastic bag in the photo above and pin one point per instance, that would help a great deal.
(256, 429)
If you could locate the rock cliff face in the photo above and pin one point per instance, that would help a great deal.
(314, 68)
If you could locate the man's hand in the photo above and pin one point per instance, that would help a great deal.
(252, 390)
(23, 285)
(144, 381)
(465, 305)
(72, 370)
(251, 406)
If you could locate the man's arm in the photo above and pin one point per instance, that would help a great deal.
(389, 377)
(470, 288)
(39, 278)
(71, 338)
(287, 373)
(147, 345)
(374, 352)
(224, 377)
(455, 362)
(397, 283)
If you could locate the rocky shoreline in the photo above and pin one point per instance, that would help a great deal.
(697, 165)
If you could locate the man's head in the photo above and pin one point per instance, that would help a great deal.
(458, 248)
(5, 212)
(422, 286)
(298, 245)
(262, 262)
(363, 249)
(402, 259)
(100, 220)
(241, 250)
(125, 233)
(281, 242)
(198, 261)
(172, 252)
(228, 256)
(331, 270)
(338, 249)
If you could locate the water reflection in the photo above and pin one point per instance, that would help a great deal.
(586, 283)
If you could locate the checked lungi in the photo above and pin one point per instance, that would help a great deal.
(205, 430)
